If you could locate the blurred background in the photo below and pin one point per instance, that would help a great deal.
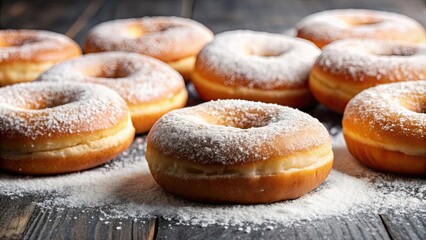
(75, 17)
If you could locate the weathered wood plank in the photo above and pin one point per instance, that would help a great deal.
(85, 223)
(277, 16)
(352, 227)
(405, 226)
(55, 16)
(111, 9)
(14, 216)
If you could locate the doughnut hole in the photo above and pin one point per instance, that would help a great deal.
(266, 50)
(240, 119)
(137, 30)
(390, 49)
(17, 42)
(414, 103)
(361, 21)
(110, 71)
(134, 31)
(47, 101)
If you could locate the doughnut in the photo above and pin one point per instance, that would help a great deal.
(52, 128)
(325, 27)
(238, 151)
(256, 66)
(173, 40)
(24, 54)
(347, 67)
(150, 87)
(385, 127)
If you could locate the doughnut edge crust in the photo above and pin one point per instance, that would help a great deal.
(324, 27)
(260, 179)
(26, 62)
(62, 142)
(383, 145)
(347, 67)
(256, 66)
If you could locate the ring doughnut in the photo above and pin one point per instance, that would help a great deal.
(347, 67)
(385, 127)
(24, 54)
(256, 66)
(173, 40)
(237, 151)
(51, 128)
(325, 27)
(150, 87)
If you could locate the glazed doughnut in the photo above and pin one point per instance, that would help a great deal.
(237, 151)
(256, 66)
(24, 54)
(150, 87)
(173, 40)
(51, 128)
(385, 127)
(325, 27)
(347, 67)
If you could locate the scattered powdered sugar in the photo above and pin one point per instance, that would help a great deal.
(135, 77)
(357, 60)
(35, 110)
(126, 188)
(235, 131)
(258, 59)
(331, 25)
(165, 38)
(24, 44)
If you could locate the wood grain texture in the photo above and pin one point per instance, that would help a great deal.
(15, 213)
(85, 223)
(277, 16)
(55, 16)
(405, 226)
(351, 227)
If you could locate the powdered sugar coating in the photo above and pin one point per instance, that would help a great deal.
(384, 61)
(331, 25)
(25, 45)
(137, 78)
(397, 109)
(164, 38)
(230, 132)
(38, 110)
(257, 60)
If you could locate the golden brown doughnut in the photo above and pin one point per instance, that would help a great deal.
(385, 127)
(51, 128)
(236, 151)
(256, 66)
(24, 54)
(347, 67)
(325, 27)
(173, 40)
(150, 87)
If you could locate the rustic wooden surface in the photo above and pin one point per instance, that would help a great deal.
(20, 217)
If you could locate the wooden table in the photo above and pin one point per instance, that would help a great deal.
(22, 218)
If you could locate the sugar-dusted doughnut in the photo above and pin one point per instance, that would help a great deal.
(347, 67)
(24, 54)
(173, 40)
(51, 128)
(150, 87)
(236, 151)
(385, 127)
(256, 66)
(325, 27)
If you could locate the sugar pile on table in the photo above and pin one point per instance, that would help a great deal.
(126, 188)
